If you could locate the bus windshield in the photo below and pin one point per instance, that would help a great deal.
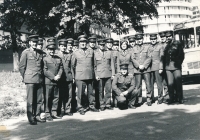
(188, 33)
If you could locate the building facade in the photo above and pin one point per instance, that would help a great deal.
(169, 14)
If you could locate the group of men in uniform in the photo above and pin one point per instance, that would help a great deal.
(56, 79)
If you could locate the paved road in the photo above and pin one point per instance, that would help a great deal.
(162, 122)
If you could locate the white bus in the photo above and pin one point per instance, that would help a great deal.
(188, 33)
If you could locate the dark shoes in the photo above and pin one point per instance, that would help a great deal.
(131, 107)
(139, 104)
(109, 108)
(102, 108)
(38, 119)
(56, 117)
(33, 122)
(149, 103)
(82, 112)
(49, 119)
(159, 102)
(93, 109)
(181, 102)
(69, 113)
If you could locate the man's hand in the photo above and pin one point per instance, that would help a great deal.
(160, 71)
(57, 77)
(112, 77)
(97, 78)
(125, 93)
(141, 67)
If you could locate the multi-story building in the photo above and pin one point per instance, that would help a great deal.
(169, 14)
(196, 12)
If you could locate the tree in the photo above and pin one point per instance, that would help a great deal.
(12, 19)
(113, 14)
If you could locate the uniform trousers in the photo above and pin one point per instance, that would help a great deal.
(104, 98)
(156, 76)
(34, 100)
(81, 85)
(174, 79)
(65, 96)
(74, 101)
(129, 99)
(165, 86)
(138, 84)
(52, 98)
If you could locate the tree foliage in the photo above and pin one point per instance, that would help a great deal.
(114, 14)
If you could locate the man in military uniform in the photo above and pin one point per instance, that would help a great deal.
(104, 70)
(156, 66)
(141, 59)
(131, 40)
(65, 83)
(164, 76)
(74, 88)
(173, 59)
(123, 84)
(75, 45)
(83, 66)
(30, 68)
(115, 53)
(92, 43)
(109, 44)
(53, 70)
(40, 44)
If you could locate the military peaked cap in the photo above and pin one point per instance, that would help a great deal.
(101, 41)
(131, 39)
(33, 37)
(138, 36)
(40, 41)
(51, 46)
(82, 38)
(169, 33)
(75, 43)
(162, 34)
(124, 66)
(109, 40)
(70, 41)
(62, 41)
(92, 39)
(153, 36)
(116, 42)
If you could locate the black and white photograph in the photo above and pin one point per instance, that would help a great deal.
(99, 69)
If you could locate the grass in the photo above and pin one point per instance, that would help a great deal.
(12, 95)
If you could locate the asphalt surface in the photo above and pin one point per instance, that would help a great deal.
(158, 122)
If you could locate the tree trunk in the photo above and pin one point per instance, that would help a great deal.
(15, 52)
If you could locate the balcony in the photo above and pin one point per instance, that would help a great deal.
(176, 3)
(174, 12)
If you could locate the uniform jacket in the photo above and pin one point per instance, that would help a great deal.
(123, 83)
(31, 66)
(173, 55)
(124, 57)
(141, 55)
(103, 64)
(52, 67)
(83, 64)
(157, 56)
(67, 74)
(115, 54)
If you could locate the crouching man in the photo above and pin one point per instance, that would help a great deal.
(123, 86)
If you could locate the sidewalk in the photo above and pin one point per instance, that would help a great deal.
(155, 122)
